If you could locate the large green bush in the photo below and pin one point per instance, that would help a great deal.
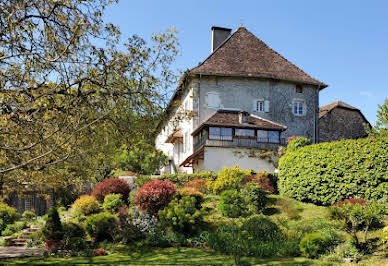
(112, 202)
(313, 244)
(182, 214)
(232, 204)
(261, 227)
(73, 237)
(326, 173)
(100, 226)
(8, 215)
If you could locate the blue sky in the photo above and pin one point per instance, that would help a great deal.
(342, 43)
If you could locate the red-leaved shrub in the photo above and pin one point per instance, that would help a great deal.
(262, 180)
(99, 252)
(197, 184)
(351, 201)
(109, 186)
(155, 195)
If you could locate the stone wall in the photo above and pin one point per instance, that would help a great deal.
(242, 93)
(341, 123)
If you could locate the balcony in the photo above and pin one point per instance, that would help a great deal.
(235, 141)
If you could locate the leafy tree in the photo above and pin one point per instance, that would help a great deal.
(358, 216)
(142, 158)
(66, 99)
(381, 127)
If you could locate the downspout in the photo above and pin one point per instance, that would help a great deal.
(316, 122)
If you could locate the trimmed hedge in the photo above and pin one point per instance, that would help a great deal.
(326, 173)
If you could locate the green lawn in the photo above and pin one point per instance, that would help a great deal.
(166, 256)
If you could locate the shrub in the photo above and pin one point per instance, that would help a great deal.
(229, 239)
(262, 228)
(182, 214)
(197, 184)
(126, 231)
(232, 204)
(86, 205)
(163, 239)
(14, 228)
(263, 180)
(254, 197)
(326, 173)
(100, 226)
(155, 195)
(313, 244)
(35, 239)
(109, 186)
(199, 196)
(348, 250)
(73, 237)
(112, 202)
(356, 216)
(229, 178)
(28, 215)
(180, 179)
(296, 143)
(8, 215)
(52, 230)
(144, 222)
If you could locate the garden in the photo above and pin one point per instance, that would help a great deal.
(233, 216)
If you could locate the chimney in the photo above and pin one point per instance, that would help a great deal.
(243, 117)
(219, 35)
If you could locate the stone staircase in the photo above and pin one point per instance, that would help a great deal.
(21, 241)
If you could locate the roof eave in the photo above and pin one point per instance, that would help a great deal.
(321, 85)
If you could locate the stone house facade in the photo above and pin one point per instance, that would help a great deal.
(339, 120)
(264, 97)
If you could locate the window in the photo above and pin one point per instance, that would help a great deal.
(267, 136)
(298, 89)
(298, 108)
(273, 136)
(221, 133)
(245, 132)
(260, 106)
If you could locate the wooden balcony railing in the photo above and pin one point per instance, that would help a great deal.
(250, 142)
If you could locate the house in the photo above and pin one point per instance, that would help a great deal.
(339, 120)
(242, 101)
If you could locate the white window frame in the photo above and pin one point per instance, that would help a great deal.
(299, 103)
(260, 105)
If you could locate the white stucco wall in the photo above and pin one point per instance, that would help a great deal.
(178, 153)
(216, 158)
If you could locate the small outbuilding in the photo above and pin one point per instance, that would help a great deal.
(339, 120)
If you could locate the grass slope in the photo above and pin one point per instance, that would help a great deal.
(166, 256)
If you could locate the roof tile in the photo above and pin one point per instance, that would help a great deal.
(243, 54)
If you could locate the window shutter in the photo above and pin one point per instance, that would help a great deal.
(254, 105)
(266, 106)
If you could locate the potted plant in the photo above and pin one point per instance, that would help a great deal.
(52, 231)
